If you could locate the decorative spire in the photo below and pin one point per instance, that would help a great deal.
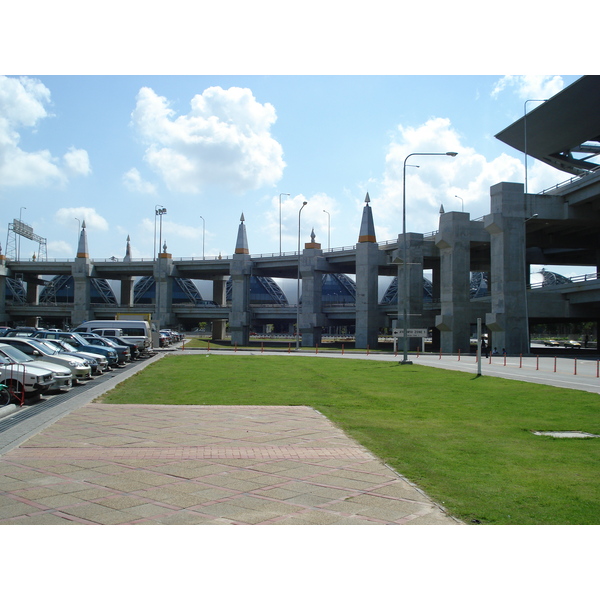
(367, 228)
(442, 211)
(82, 249)
(128, 251)
(241, 246)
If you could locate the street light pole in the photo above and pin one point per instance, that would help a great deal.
(405, 360)
(526, 274)
(462, 201)
(160, 212)
(298, 283)
(328, 230)
(156, 213)
(203, 228)
(283, 194)
(525, 134)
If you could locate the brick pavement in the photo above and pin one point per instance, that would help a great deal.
(213, 465)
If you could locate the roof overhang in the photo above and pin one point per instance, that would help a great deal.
(566, 125)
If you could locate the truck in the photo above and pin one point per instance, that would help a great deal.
(138, 332)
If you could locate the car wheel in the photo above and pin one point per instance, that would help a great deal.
(4, 397)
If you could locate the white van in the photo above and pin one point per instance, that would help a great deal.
(139, 332)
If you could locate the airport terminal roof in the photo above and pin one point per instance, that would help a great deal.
(566, 125)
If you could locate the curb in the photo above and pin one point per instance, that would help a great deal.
(7, 410)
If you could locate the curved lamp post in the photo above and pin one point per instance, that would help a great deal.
(405, 360)
(298, 284)
(203, 229)
(328, 230)
(283, 194)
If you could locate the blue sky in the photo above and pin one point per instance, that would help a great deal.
(326, 116)
(107, 149)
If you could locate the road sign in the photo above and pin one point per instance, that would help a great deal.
(411, 333)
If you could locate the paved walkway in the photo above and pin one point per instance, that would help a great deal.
(117, 464)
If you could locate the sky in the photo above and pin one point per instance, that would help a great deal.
(217, 114)
(109, 150)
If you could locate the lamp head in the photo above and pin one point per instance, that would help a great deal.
(451, 153)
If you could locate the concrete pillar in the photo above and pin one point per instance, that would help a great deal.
(219, 326)
(163, 286)
(82, 271)
(367, 295)
(127, 288)
(454, 242)
(3, 276)
(240, 316)
(508, 320)
(312, 319)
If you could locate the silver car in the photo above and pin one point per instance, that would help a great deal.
(62, 375)
(19, 378)
(38, 350)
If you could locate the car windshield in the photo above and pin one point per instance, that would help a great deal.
(44, 347)
(77, 338)
(15, 355)
(65, 346)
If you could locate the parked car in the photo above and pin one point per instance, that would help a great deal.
(80, 343)
(134, 349)
(572, 344)
(34, 380)
(98, 363)
(62, 375)
(38, 349)
(123, 352)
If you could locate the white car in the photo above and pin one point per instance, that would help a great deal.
(39, 350)
(62, 375)
(16, 376)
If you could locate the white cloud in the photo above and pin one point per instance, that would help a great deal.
(60, 249)
(438, 180)
(93, 221)
(77, 161)
(224, 140)
(22, 104)
(133, 181)
(535, 87)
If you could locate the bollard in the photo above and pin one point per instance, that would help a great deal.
(555, 364)
(574, 366)
(598, 368)
(208, 346)
(235, 347)
(342, 349)
(537, 363)
(367, 349)
(459, 354)
(418, 351)
(289, 347)
(262, 347)
(505, 360)
(440, 354)
(520, 361)
(316, 348)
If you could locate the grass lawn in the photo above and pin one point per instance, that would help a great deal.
(465, 440)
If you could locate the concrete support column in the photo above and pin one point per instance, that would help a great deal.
(508, 321)
(127, 295)
(312, 319)
(454, 243)
(3, 276)
(240, 316)
(219, 326)
(163, 282)
(367, 295)
(82, 273)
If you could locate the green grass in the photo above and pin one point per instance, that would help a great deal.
(464, 440)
